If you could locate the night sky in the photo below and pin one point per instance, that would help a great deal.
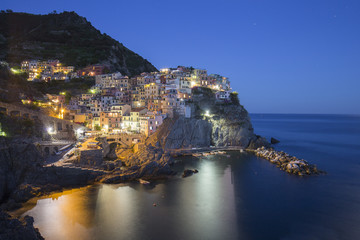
(290, 56)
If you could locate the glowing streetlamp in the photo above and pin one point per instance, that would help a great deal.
(106, 128)
(50, 130)
(62, 113)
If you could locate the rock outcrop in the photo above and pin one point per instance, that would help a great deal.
(230, 122)
(189, 172)
(189, 132)
(20, 229)
(274, 141)
(258, 142)
(20, 162)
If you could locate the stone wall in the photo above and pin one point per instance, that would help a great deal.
(90, 157)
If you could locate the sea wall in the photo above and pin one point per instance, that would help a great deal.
(286, 162)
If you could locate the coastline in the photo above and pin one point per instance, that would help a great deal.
(28, 201)
(131, 174)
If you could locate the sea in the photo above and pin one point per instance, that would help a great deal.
(238, 196)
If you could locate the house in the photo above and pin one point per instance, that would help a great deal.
(152, 90)
(222, 95)
(91, 70)
(123, 109)
(131, 122)
(110, 120)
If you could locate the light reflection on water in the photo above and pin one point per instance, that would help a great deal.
(198, 207)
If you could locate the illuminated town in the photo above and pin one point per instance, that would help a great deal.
(119, 104)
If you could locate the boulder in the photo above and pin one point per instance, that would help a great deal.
(274, 141)
(189, 172)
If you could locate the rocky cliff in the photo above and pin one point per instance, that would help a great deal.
(19, 161)
(23, 176)
(65, 36)
(213, 123)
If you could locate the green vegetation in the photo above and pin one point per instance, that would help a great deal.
(73, 87)
(235, 98)
(13, 126)
(13, 85)
(65, 36)
(207, 92)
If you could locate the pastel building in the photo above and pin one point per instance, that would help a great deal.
(110, 120)
(150, 122)
(152, 90)
(131, 122)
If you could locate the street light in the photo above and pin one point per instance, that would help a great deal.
(50, 130)
(106, 128)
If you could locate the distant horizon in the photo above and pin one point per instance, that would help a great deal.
(291, 57)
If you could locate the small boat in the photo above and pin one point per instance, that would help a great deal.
(241, 150)
(144, 182)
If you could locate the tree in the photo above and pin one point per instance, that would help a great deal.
(67, 97)
(234, 98)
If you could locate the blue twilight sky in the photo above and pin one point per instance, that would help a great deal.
(282, 56)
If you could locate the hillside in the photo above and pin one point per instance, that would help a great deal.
(65, 36)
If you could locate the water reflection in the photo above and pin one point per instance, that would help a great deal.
(213, 199)
(200, 207)
(71, 214)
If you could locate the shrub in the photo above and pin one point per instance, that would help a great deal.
(234, 98)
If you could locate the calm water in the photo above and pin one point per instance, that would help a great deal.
(241, 197)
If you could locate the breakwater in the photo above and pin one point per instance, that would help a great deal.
(286, 162)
